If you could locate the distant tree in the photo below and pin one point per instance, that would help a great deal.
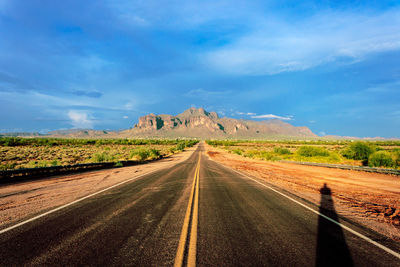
(380, 159)
(358, 151)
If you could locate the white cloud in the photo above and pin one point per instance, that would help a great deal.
(125, 117)
(80, 119)
(245, 113)
(275, 46)
(130, 105)
(272, 116)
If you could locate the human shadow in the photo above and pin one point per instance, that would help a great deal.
(332, 249)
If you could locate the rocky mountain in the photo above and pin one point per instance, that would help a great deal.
(202, 124)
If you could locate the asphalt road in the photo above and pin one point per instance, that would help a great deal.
(197, 212)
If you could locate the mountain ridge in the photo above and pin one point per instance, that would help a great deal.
(200, 123)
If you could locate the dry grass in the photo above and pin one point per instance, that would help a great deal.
(14, 157)
(329, 152)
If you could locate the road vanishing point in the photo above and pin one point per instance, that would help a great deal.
(196, 213)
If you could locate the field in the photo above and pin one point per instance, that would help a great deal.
(17, 153)
(373, 153)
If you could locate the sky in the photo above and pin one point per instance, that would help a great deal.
(333, 66)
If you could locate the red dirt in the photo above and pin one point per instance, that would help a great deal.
(370, 199)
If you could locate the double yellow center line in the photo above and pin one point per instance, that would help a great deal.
(191, 216)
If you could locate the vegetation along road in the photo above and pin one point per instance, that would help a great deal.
(197, 212)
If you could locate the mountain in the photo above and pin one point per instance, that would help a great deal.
(80, 133)
(21, 134)
(202, 124)
(192, 123)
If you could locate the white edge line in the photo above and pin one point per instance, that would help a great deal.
(74, 202)
(388, 250)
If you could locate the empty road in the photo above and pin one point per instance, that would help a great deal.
(197, 212)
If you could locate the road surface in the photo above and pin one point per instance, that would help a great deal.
(197, 212)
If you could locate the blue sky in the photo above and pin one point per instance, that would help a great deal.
(333, 66)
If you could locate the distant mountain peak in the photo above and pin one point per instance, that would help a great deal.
(198, 112)
(197, 122)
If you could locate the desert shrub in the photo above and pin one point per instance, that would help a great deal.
(380, 159)
(282, 151)
(141, 154)
(260, 154)
(396, 157)
(155, 153)
(7, 166)
(237, 151)
(180, 146)
(118, 164)
(250, 153)
(102, 157)
(334, 157)
(310, 151)
(358, 151)
(267, 156)
(220, 143)
(42, 164)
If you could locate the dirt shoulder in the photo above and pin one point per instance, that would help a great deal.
(371, 199)
(24, 200)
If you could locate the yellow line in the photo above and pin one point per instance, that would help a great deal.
(182, 240)
(193, 232)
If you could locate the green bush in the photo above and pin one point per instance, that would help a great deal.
(180, 146)
(268, 156)
(102, 157)
(141, 154)
(310, 151)
(7, 166)
(42, 164)
(118, 164)
(334, 157)
(358, 151)
(396, 158)
(281, 151)
(154, 153)
(380, 159)
(237, 151)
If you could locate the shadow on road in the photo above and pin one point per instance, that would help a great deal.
(332, 249)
